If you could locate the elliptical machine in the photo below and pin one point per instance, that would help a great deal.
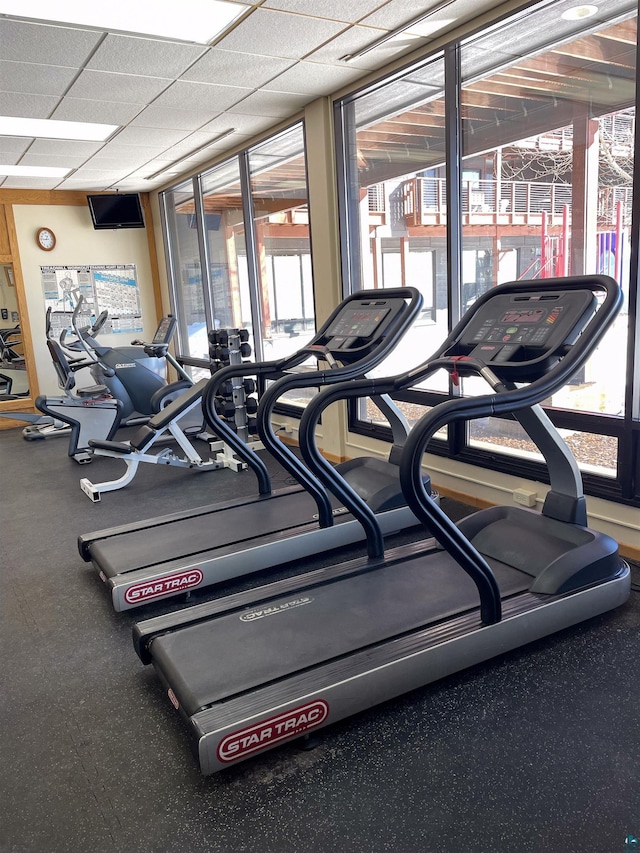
(130, 385)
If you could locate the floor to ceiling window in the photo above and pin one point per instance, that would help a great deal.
(278, 181)
(391, 137)
(544, 157)
(548, 138)
(239, 253)
(185, 264)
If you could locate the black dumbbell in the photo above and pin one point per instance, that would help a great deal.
(251, 405)
(243, 335)
(252, 426)
(225, 408)
(249, 385)
(221, 353)
(245, 350)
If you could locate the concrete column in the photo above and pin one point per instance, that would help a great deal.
(325, 245)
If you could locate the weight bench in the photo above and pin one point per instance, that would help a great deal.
(161, 426)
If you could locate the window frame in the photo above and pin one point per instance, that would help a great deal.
(625, 486)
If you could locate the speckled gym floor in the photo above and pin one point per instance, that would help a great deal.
(537, 750)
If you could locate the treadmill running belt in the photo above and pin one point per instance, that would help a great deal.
(212, 531)
(238, 651)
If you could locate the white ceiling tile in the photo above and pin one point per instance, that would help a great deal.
(117, 158)
(276, 104)
(95, 180)
(228, 67)
(147, 57)
(312, 78)
(351, 41)
(12, 148)
(191, 143)
(95, 173)
(208, 97)
(337, 10)
(169, 117)
(65, 161)
(35, 79)
(122, 88)
(274, 33)
(30, 42)
(65, 147)
(399, 13)
(459, 11)
(160, 137)
(86, 184)
(244, 124)
(27, 106)
(101, 112)
(126, 185)
(30, 183)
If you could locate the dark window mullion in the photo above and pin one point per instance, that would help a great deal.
(252, 259)
(453, 171)
(348, 197)
(169, 231)
(203, 251)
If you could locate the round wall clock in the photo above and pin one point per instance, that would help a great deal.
(46, 239)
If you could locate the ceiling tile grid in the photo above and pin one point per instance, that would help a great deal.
(168, 98)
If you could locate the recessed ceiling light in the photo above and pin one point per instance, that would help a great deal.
(579, 13)
(197, 21)
(34, 171)
(47, 128)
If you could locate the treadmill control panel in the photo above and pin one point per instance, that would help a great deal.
(522, 334)
(359, 327)
(358, 322)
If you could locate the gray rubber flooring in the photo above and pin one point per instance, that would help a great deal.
(538, 750)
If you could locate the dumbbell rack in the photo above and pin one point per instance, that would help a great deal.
(237, 403)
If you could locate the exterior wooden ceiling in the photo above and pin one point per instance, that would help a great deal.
(593, 75)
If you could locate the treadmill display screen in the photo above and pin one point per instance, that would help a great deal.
(533, 316)
(358, 322)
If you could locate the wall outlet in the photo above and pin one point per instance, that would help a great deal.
(524, 497)
(284, 429)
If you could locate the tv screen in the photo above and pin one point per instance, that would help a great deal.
(116, 210)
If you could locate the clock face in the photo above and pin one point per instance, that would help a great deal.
(46, 239)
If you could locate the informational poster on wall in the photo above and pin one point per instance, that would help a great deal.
(108, 287)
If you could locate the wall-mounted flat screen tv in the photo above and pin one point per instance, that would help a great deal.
(116, 210)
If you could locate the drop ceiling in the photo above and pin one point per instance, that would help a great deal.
(177, 101)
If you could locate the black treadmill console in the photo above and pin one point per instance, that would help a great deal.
(520, 336)
(360, 326)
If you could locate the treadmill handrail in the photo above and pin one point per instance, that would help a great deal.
(276, 368)
(505, 399)
(338, 373)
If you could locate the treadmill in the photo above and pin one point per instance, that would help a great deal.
(154, 559)
(252, 670)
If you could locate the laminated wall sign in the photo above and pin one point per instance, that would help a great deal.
(111, 287)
